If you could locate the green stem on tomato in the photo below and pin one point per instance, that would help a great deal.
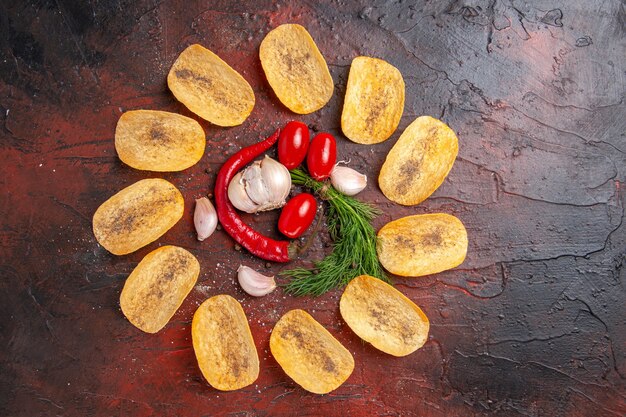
(354, 248)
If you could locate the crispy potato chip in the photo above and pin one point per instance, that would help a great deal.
(223, 344)
(309, 354)
(419, 161)
(155, 140)
(210, 88)
(383, 316)
(158, 286)
(295, 69)
(374, 101)
(137, 215)
(423, 244)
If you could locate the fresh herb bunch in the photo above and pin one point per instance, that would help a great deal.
(354, 249)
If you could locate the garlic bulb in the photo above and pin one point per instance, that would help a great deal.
(263, 185)
(204, 218)
(254, 283)
(347, 180)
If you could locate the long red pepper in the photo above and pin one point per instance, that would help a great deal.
(256, 243)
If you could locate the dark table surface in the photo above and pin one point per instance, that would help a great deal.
(532, 323)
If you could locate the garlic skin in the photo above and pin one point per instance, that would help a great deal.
(254, 183)
(239, 197)
(204, 218)
(263, 185)
(277, 179)
(347, 180)
(254, 283)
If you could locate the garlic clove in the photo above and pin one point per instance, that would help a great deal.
(277, 179)
(204, 218)
(255, 185)
(254, 283)
(239, 197)
(347, 180)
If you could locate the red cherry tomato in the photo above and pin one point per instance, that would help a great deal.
(297, 215)
(293, 144)
(322, 156)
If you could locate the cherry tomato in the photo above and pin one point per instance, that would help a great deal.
(293, 144)
(322, 156)
(297, 215)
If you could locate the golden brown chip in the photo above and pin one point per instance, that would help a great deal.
(155, 140)
(309, 354)
(223, 344)
(210, 88)
(383, 316)
(137, 215)
(423, 244)
(295, 69)
(374, 101)
(157, 287)
(419, 161)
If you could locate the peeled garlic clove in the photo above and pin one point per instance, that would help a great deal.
(277, 180)
(239, 197)
(254, 283)
(255, 184)
(204, 218)
(347, 180)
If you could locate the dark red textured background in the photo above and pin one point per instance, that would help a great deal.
(532, 324)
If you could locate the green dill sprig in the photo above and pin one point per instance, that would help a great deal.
(354, 248)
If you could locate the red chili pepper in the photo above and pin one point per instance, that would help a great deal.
(256, 243)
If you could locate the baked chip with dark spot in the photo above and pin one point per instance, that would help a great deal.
(418, 162)
(223, 344)
(210, 88)
(160, 141)
(137, 215)
(158, 286)
(295, 69)
(422, 244)
(374, 101)
(383, 316)
(309, 354)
